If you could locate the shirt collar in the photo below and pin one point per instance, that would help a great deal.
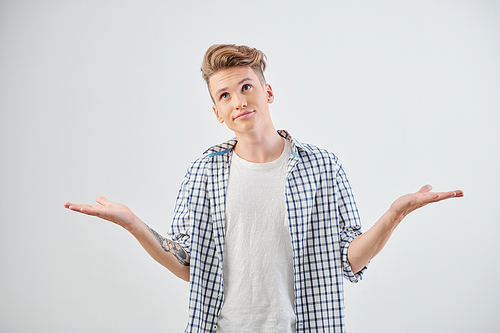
(227, 147)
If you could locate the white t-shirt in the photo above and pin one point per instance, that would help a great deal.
(258, 267)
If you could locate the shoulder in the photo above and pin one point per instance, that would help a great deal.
(316, 152)
(214, 155)
(318, 160)
(220, 149)
(310, 152)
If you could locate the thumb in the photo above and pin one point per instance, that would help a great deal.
(103, 201)
(425, 189)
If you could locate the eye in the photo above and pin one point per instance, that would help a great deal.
(224, 95)
(246, 87)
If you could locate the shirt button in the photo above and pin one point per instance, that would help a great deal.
(219, 296)
(215, 327)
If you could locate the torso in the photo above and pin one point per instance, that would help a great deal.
(258, 269)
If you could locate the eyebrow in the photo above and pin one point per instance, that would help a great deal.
(225, 88)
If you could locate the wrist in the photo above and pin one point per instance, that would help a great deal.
(135, 225)
(394, 217)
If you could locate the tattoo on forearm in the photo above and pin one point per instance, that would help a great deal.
(171, 247)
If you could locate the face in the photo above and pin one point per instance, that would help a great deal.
(241, 101)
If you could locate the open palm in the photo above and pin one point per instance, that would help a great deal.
(408, 203)
(107, 210)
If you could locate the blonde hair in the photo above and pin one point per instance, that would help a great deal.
(222, 56)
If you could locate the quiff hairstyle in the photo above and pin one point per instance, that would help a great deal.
(223, 56)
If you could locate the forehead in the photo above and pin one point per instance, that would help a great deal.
(230, 76)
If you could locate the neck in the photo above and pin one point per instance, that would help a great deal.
(261, 147)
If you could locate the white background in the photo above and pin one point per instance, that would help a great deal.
(106, 98)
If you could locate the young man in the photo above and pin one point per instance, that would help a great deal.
(265, 227)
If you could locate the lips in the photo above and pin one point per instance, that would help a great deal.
(244, 115)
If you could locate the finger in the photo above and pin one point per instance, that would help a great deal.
(448, 195)
(72, 206)
(454, 194)
(94, 210)
(86, 209)
(425, 189)
(103, 201)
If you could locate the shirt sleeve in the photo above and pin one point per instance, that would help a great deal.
(180, 230)
(349, 222)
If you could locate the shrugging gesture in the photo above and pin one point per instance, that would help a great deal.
(166, 252)
(366, 246)
(107, 210)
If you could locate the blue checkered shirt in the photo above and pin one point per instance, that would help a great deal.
(322, 217)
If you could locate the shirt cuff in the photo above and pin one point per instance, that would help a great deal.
(183, 239)
(348, 273)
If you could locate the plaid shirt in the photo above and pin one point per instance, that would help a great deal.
(322, 217)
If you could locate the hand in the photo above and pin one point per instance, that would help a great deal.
(366, 246)
(107, 210)
(410, 202)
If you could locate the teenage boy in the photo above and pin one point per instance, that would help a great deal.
(265, 226)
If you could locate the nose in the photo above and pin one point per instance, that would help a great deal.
(239, 102)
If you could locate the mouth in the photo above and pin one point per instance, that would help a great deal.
(244, 115)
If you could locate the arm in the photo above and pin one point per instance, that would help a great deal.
(367, 245)
(166, 252)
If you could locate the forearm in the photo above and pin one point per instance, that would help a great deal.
(367, 245)
(168, 253)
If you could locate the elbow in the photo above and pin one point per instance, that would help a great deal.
(185, 277)
(356, 267)
(356, 260)
(184, 273)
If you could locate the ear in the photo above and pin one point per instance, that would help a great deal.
(219, 119)
(269, 93)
